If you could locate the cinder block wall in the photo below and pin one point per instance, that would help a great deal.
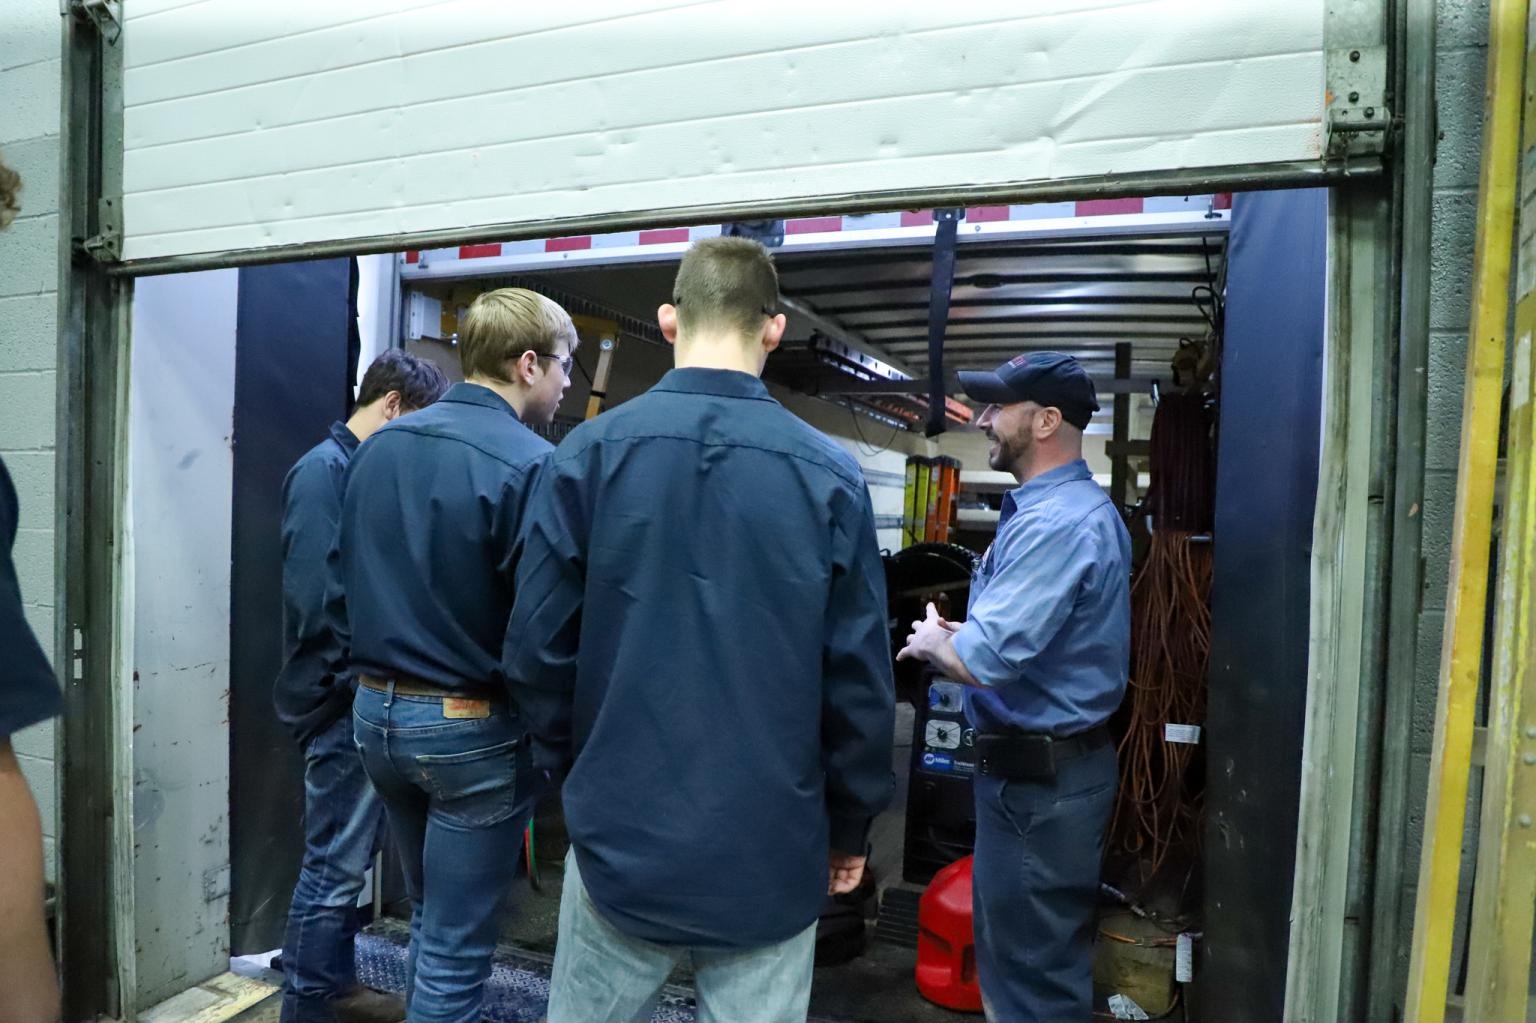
(1460, 68)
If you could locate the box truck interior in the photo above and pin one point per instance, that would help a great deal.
(227, 167)
(1175, 306)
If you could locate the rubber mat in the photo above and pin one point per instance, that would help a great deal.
(518, 991)
(898, 917)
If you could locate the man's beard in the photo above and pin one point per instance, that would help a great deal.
(1004, 455)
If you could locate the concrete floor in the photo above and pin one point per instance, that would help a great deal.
(873, 988)
(265, 1011)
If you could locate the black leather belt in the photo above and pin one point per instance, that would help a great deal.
(1028, 757)
(410, 685)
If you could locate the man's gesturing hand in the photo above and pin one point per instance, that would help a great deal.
(927, 636)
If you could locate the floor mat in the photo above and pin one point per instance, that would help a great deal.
(898, 917)
(518, 991)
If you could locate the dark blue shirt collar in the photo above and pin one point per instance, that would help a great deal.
(342, 434)
(475, 394)
(727, 383)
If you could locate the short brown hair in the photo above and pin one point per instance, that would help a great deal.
(726, 282)
(503, 324)
(10, 184)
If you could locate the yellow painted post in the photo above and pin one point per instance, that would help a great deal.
(1504, 902)
(607, 333)
(1461, 652)
(599, 393)
(909, 505)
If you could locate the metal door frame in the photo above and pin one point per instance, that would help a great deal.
(93, 630)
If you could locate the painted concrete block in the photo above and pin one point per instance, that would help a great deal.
(29, 332)
(30, 97)
(28, 401)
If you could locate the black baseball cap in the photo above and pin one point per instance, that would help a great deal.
(1050, 379)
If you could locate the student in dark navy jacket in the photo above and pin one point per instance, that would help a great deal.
(428, 547)
(1045, 653)
(343, 817)
(700, 639)
(29, 694)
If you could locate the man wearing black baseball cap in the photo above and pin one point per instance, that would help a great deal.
(1044, 379)
(1044, 652)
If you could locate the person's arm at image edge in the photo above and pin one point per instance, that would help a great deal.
(29, 991)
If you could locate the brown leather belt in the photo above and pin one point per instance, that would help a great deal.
(410, 685)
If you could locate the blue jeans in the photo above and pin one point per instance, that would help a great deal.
(343, 821)
(1035, 889)
(602, 975)
(457, 816)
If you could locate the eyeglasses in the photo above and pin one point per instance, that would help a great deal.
(565, 361)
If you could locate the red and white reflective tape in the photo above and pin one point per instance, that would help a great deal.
(801, 227)
(572, 243)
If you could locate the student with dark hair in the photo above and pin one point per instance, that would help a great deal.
(414, 383)
(343, 816)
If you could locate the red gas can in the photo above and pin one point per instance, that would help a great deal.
(946, 944)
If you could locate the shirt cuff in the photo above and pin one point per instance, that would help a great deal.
(850, 834)
(984, 664)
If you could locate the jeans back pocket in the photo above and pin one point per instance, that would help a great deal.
(474, 788)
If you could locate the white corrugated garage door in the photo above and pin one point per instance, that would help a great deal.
(251, 126)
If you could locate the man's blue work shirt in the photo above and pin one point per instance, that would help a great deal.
(429, 531)
(1048, 631)
(700, 636)
(29, 691)
(309, 695)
